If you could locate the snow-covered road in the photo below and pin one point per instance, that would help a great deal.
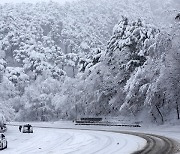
(66, 141)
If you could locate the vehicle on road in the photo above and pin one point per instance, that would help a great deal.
(27, 128)
(3, 142)
(3, 128)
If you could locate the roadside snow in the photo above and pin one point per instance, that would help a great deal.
(69, 141)
(33, 1)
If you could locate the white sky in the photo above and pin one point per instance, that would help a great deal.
(32, 1)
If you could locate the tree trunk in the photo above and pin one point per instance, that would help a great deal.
(73, 72)
(177, 109)
(57, 114)
(76, 110)
(62, 67)
(162, 119)
(1, 76)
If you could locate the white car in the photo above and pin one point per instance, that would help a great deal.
(3, 142)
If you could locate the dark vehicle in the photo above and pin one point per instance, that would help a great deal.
(27, 129)
(3, 128)
(3, 142)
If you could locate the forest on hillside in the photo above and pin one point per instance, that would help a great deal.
(91, 57)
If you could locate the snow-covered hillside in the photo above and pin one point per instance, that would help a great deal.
(90, 58)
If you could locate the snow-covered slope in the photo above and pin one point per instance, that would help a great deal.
(41, 43)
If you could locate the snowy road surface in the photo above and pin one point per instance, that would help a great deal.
(33, 1)
(61, 141)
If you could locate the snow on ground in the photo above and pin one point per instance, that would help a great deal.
(33, 1)
(69, 141)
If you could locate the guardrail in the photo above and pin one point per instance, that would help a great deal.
(107, 124)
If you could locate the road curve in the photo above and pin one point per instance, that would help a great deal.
(156, 144)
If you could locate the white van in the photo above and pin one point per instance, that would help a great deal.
(3, 142)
